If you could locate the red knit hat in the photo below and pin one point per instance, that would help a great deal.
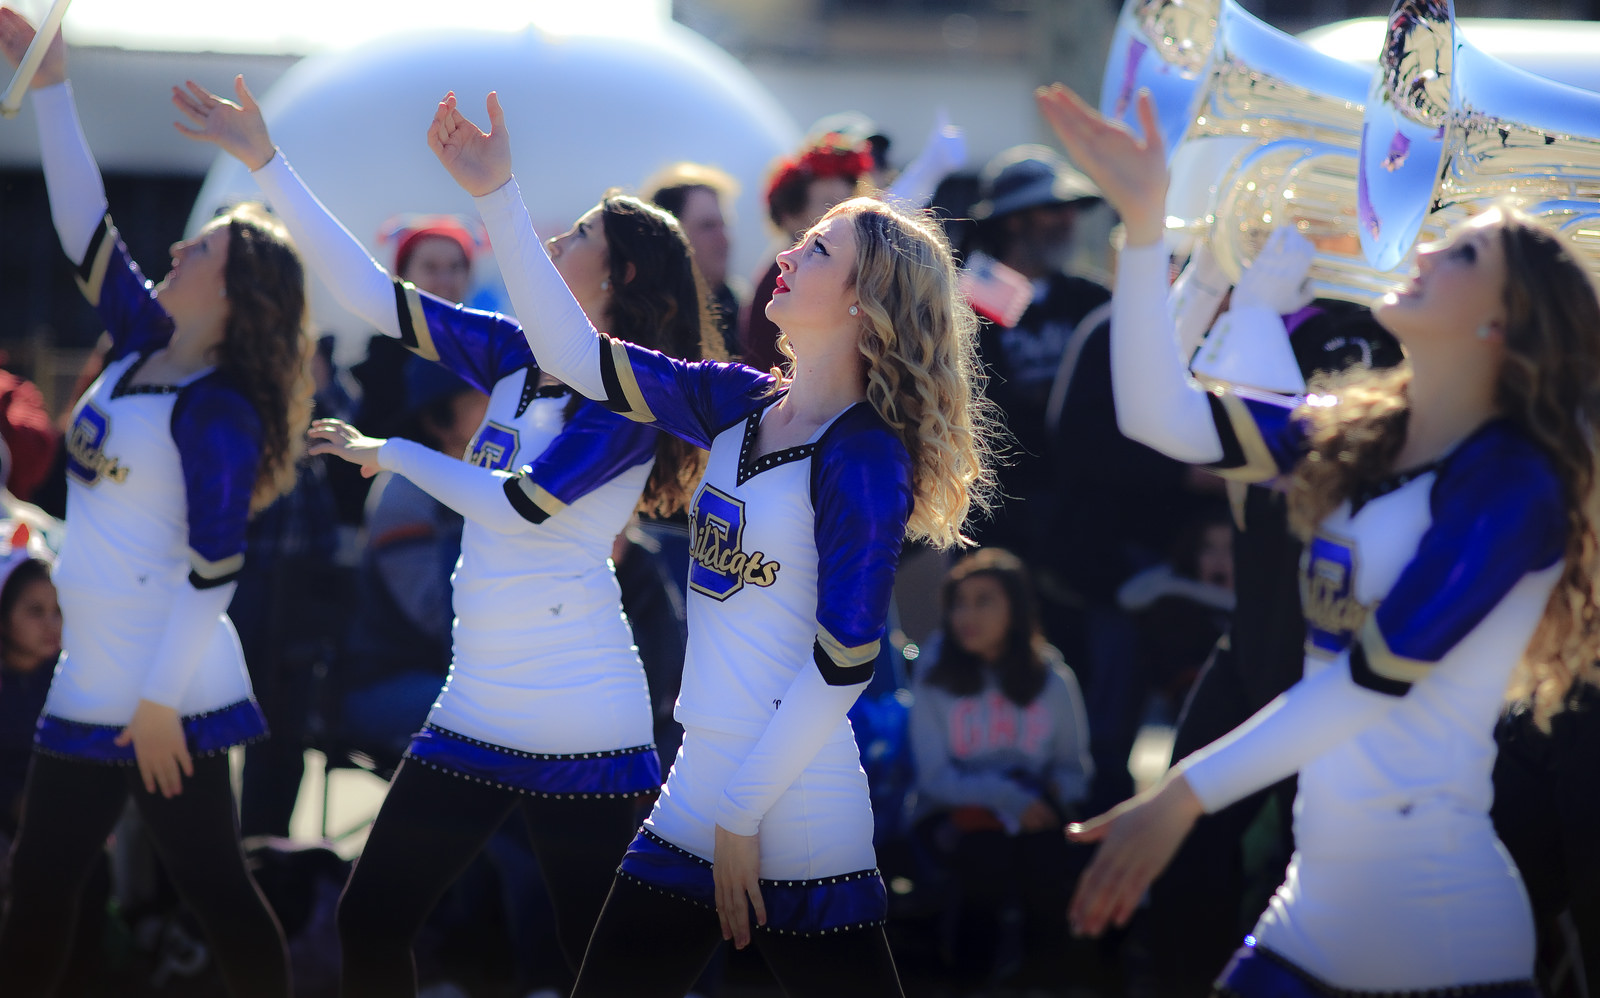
(405, 231)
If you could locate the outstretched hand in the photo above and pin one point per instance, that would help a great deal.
(16, 34)
(235, 127)
(1137, 840)
(336, 437)
(1131, 172)
(479, 162)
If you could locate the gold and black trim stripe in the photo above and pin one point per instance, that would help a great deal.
(531, 500)
(91, 274)
(207, 574)
(413, 320)
(1245, 455)
(623, 396)
(1375, 667)
(841, 664)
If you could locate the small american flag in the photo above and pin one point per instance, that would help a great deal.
(995, 291)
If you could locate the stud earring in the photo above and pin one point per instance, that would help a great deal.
(854, 310)
(605, 285)
(1483, 331)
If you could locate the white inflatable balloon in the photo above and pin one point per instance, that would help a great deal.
(585, 111)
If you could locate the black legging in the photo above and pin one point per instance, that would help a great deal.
(430, 827)
(1196, 912)
(70, 807)
(650, 944)
(1547, 810)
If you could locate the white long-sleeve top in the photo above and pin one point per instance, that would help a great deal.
(793, 553)
(159, 484)
(1421, 594)
(543, 659)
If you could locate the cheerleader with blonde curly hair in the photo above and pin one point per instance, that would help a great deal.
(812, 484)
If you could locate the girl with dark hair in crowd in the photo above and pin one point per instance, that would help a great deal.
(30, 644)
(1001, 743)
(195, 424)
(546, 709)
(800, 190)
(1448, 509)
(812, 484)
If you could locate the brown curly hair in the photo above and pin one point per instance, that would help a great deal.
(1549, 386)
(663, 307)
(266, 347)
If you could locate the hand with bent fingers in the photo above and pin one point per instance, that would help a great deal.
(735, 869)
(236, 128)
(1137, 840)
(16, 34)
(159, 747)
(336, 437)
(1131, 172)
(479, 162)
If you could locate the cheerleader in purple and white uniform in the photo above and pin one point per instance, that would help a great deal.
(813, 481)
(1446, 509)
(195, 422)
(546, 709)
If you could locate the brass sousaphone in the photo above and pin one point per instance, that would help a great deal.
(1466, 129)
(1264, 133)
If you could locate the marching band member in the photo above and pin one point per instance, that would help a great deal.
(1447, 511)
(810, 488)
(195, 423)
(1192, 921)
(546, 709)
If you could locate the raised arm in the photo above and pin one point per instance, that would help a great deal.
(109, 278)
(694, 401)
(77, 196)
(1158, 404)
(479, 347)
(943, 153)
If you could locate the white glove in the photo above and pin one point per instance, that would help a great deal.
(1195, 297)
(944, 152)
(1278, 278)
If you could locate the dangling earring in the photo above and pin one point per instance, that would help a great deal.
(605, 284)
(854, 310)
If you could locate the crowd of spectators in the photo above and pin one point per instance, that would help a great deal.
(1092, 601)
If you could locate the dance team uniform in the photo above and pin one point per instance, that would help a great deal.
(160, 479)
(793, 555)
(546, 703)
(1421, 594)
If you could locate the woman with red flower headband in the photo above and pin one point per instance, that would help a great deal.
(799, 191)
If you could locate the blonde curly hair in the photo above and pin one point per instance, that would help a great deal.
(920, 341)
